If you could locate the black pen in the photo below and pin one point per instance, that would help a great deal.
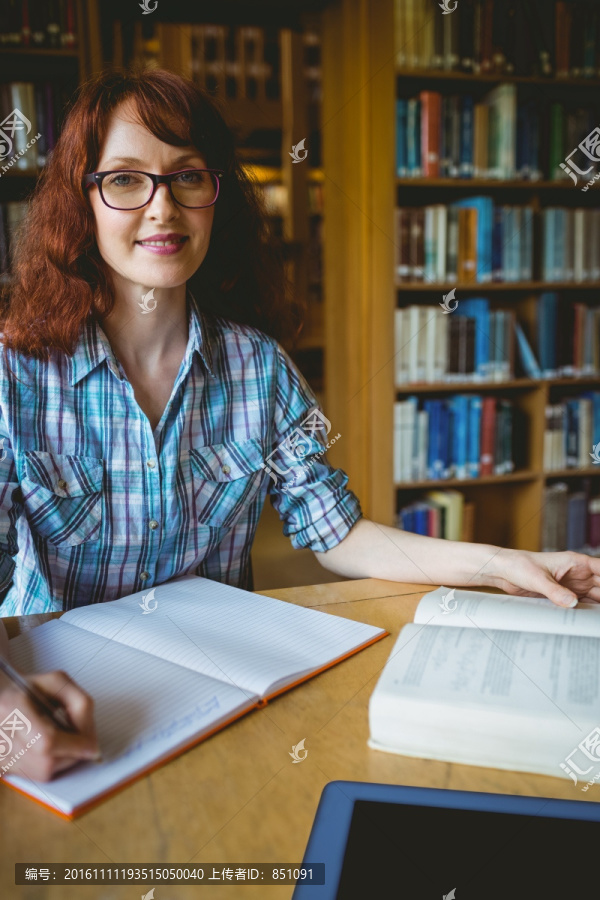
(48, 705)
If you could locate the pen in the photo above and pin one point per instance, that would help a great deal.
(47, 705)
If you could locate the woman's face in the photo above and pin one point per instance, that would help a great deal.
(127, 238)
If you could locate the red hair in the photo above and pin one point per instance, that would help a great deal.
(59, 276)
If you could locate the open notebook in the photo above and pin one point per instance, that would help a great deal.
(163, 680)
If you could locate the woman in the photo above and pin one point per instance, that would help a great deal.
(146, 406)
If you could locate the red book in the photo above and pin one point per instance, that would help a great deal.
(488, 435)
(431, 129)
(25, 29)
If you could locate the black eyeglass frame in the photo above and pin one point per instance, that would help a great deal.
(98, 177)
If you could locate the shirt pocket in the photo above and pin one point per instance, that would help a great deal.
(62, 496)
(225, 479)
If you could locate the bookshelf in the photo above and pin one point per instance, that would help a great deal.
(59, 69)
(267, 78)
(361, 83)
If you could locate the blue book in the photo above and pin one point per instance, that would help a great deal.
(413, 137)
(595, 398)
(559, 250)
(546, 332)
(435, 463)
(407, 518)
(478, 308)
(421, 519)
(498, 244)
(474, 436)
(548, 266)
(401, 143)
(460, 416)
(466, 138)
(528, 361)
(485, 212)
(445, 439)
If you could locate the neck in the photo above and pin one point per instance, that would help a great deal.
(145, 325)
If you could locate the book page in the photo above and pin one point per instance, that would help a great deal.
(557, 674)
(256, 643)
(509, 699)
(476, 609)
(145, 707)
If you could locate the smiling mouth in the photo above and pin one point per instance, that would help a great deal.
(167, 243)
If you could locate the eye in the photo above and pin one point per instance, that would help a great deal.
(123, 179)
(192, 177)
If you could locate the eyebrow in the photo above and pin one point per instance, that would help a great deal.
(133, 161)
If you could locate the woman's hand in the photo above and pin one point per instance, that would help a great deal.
(563, 577)
(46, 749)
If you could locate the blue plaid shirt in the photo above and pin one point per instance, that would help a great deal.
(94, 505)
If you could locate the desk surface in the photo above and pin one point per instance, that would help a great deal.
(237, 797)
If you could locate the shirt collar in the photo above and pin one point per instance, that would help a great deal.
(93, 346)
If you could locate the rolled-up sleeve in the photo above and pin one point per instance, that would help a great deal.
(10, 509)
(310, 496)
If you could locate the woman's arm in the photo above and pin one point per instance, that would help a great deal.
(371, 550)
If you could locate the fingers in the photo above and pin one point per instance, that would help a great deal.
(83, 742)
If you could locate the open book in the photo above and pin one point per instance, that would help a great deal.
(197, 655)
(494, 680)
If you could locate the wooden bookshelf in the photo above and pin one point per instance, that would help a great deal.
(360, 85)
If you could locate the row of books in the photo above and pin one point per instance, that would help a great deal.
(468, 241)
(570, 430)
(475, 241)
(38, 23)
(42, 105)
(11, 215)
(234, 61)
(570, 244)
(571, 519)
(462, 436)
(543, 38)
(441, 514)
(476, 344)
(499, 137)
(472, 342)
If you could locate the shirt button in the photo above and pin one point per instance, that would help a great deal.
(144, 576)
(62, 484)
(153, 524)
(225, 470)
(150, 463)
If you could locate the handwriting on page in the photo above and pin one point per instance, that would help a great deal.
(199, 712)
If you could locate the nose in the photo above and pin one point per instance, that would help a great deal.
(162, 206)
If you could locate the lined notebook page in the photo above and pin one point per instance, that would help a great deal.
(145, 707)
(256, 643)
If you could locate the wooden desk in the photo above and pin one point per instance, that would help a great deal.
(237, 797)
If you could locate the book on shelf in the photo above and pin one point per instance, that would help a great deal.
(571, 519)
(440, 514)
(473, 343)
(42, 105)
(539, 38)
(463, 436)
(489, 680)
(570, 244)
(470, 241)
(499, 136)
(572, 429)
(207, 655)
(38, 23)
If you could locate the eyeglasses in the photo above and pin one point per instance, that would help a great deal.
(130, 189)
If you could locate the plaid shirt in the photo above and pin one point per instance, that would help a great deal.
(94, 505)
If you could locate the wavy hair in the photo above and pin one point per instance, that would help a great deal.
(59, 276)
